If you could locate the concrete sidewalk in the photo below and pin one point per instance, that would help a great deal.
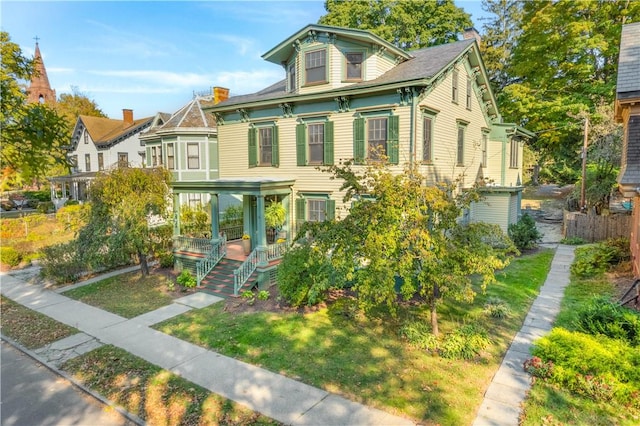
(503, 399)
(273, 395)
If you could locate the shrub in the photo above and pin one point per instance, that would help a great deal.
(186, 279)
(43, 195)
(10, 256)
(263, 295)
(602, 316)
(497, 308)
(419, 334)
(538, 368)
(464, 343)
(73, 217)
(165, 259)
(573, 241)
(304, 276)
(524, 234)
(594, 366)
(61, 263)
(595, 259)
(72, 203)
(45, 207)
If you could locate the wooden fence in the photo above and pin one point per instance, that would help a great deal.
(592, 228)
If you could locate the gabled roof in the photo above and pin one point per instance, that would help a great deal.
(190, 117)
(105, 132)
(283, 51)
(628, 84)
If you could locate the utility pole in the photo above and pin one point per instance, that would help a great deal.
(583, 198)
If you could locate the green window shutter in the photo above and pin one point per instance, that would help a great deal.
(301, 214)
(328, 143)
(301, 145)
(331, 209)
(359, 152)
(253, 147)
(275, 152)
(393, 150)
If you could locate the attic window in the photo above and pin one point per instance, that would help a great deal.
(354, 66)
(292, 77)
(316, 67)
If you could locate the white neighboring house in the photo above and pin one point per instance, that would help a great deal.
(97, 144)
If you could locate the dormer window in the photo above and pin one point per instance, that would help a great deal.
(354, 66)
(316, 67)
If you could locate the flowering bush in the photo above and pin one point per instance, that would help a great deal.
(538, 368)
(246, 237)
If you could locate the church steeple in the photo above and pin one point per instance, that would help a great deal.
(40, 90)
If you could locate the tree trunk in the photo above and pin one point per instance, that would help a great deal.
(434, 313)
(144, 267)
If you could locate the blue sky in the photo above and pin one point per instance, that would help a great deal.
(151, 56)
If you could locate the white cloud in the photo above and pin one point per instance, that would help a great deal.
(60, 70)
(241, 44)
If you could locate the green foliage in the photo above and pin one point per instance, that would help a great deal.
(406, 24)
(304, 275)
(593, 366)
(161, 238)
(195, 222)
(419, 334)
(10, 256)
(275, 215)
(186, 279)
(166, 259)
(73, 216)
(247, 294)
(495, 307)
(122, 201)
(595, 259)
(573, 241)
(538, 368)
(465, 343)
(71, 105)
(263, 295)
(45, 207)
(43, 195)
(72, 203)
(62, 263)
(600, 315)
(524, 234)
(232, 216)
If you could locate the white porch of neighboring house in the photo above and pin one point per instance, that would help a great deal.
(214, 263)
(71, 187)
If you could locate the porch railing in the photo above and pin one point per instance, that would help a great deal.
(181, 243)
(242, 274)
(276, 251)
(232, 232)
(205, 265)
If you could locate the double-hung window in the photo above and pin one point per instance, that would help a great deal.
(315, 208)
(462, 129)
(100, 161)
(193, 156)
(154, 156)
(427, 139)
(469, 93)
(315, 66)
(87, 162)
(263, 145)
(314, 143)
(293, 83)
(485, 140)
(354, 66)
(514, 160)
(171, 159)
(123, 159)
(454, 86)
(376, 138)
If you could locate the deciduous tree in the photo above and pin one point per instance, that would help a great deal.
(398, 230)
(406, 24)
(122, 202)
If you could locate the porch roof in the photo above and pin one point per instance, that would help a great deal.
(243, 186)
(75, 177)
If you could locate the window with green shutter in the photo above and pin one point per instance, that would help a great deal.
(376, 137)
(315, 208)
(263, 146)
(253, 147)
(314, 143)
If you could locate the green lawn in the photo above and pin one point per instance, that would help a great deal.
(364, 359)
(128, 295)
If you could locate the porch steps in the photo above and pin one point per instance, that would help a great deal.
(219, 281)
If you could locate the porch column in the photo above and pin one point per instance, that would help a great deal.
(262, 231)
(215, 218)
(176, 214)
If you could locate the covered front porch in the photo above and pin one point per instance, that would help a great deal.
(252, 251)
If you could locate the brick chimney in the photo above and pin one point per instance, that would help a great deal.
(471, 33)
(127, 117)
(220, 94)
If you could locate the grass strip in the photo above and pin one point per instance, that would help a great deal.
(31, 329)
(127, 295)
(156, 395)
